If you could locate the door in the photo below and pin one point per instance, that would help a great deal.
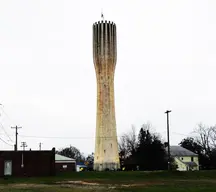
(8, 168)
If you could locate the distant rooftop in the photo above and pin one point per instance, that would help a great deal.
(61, 158)
(180, 151)
(81, 164)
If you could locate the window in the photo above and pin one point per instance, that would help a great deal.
(104, 151)
(192, 159)
(64, 166)
(111, 145)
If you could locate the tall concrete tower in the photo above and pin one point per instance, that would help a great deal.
(104, 54)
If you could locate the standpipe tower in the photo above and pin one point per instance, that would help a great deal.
(104, 55)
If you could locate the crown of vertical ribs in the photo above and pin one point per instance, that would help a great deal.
(104, 43)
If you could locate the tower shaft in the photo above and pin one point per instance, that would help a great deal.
(104, 54)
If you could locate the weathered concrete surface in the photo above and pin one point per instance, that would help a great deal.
(104, 54)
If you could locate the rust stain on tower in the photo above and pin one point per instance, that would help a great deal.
(105, 54)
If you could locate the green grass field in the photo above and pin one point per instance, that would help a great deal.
(115, 181)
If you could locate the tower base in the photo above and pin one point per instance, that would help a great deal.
(106, 166)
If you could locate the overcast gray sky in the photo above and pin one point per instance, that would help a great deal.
(166, 60)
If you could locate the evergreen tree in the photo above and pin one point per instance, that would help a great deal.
(151, 154)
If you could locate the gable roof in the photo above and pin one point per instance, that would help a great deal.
(62, 159)
(180, 151)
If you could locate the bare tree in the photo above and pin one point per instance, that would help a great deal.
(206, 137)
(123, 148)
(148, 127)
(131, 140)
(128, 143)
(213, 136)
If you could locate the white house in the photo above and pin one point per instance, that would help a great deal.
(186, 160)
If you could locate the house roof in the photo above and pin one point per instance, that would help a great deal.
(180, 151)
(81, 165)
(61, 159)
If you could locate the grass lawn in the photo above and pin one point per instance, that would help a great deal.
(116, 182)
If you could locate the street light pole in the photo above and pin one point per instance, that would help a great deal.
(168, 140)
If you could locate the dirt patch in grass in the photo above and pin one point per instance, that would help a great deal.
(24, 185)
(98, 184)
(71, 184)
(93, 183)
(142, 184)
(78, 183)
(197, 180)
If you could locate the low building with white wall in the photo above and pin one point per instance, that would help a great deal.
(185, 160)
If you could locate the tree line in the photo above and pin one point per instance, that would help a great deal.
(203, 143)
(147, 151)
(144, 151)
(74, 153)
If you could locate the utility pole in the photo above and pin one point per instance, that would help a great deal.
(40, 146)
(16, 133)
(168, 141)
(24, 145)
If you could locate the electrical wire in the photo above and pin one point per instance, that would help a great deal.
(2, 126)
(2, 109)
(5, 142)
(180, 134)
(6, 132)
(54, 137)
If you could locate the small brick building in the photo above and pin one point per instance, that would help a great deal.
(64, 164)
(27, 163)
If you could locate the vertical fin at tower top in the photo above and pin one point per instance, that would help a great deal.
(102, 15)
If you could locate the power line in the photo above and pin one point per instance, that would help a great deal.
(175, 133)
(53, 137)
(63, 137)
(5, 132)
(181, 134)
(2, 109)
(5, 142)
(2, 124)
